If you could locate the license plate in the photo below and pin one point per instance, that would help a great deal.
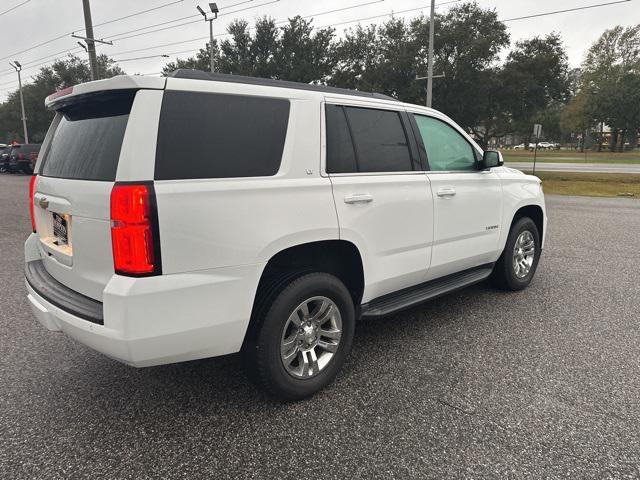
(60, 229)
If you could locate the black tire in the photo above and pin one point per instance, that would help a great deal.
(262, 354)
(504, 274)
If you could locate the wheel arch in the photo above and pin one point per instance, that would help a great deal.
(535, 213)
(336, 257)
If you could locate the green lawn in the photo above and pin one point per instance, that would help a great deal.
(572, 156)
(590, 184)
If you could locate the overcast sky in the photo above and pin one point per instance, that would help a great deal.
(38, 21)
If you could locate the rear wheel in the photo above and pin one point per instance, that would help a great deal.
(517, 264)
(304, 338)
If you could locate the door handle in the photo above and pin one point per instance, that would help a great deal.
(446, 192)
(358, 198)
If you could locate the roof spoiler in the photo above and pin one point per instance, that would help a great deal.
(121, 82)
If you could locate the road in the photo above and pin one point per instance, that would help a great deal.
(577, 167)
(543, 383)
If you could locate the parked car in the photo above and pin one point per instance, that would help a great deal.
(33, 159)
(20, 159)
(4, 158)
(291, 211)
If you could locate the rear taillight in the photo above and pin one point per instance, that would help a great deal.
(21, 156)
(32, 191)
(134, 230)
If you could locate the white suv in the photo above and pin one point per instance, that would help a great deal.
(204, 214)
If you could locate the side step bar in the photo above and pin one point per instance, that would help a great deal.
(409, 297)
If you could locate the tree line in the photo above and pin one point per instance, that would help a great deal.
(491, 86)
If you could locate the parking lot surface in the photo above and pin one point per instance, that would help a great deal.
(478, 384)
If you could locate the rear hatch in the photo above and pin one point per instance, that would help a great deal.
(76, 173)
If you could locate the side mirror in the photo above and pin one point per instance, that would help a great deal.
(490, 159)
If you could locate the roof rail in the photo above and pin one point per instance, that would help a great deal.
(269, 82)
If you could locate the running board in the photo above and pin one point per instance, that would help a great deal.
(409, 297)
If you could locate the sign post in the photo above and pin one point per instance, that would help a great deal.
(537, 131)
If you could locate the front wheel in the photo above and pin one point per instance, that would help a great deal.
(517, 265)
(305, 337)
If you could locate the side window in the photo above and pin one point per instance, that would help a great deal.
(211, 135)
(365, 140)
(341, 157)
(447, 150)
(380, 140)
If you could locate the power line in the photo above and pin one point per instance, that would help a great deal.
(138, 13)
(399, 12)
(142, 58)
(161, 45)
(49, 58)
(225, 34)
(65, 35)
(150, 26)
(119, 36)
(282, 21)
(564, 11)
(339, 9)
(13, 8)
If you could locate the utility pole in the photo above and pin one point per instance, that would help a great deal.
(211, 44)
(430, 58)
(18, 67)
(91, 45)
(214, 11)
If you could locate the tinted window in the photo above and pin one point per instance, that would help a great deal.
(341, 157)
(380, 140)
(207, 135)
(447, 150)
(30, 148)
(86, 144)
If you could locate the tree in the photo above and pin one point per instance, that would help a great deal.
(201, 60)
(303, 56)
(292, 52)
(468, 40)
(381, 59)
(357, 60)
(576, 117)
(61, 74)
(610, 81)
(535, 76)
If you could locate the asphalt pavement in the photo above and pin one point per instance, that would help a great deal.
(543, 383)
(577, 167)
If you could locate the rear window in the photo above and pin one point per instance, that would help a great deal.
(86, 143)
(28, 148)
(211, 135)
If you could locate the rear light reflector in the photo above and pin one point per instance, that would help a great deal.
(32, 191)
(134, 230)
(60, 93)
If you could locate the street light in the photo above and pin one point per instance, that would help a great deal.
(214, 10)
(18, 67)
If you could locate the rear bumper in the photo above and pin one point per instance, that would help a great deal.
(55, 293)
(158, 320)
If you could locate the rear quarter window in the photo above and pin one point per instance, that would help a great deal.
(211, 135)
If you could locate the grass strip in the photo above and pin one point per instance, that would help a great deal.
(590, 184)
